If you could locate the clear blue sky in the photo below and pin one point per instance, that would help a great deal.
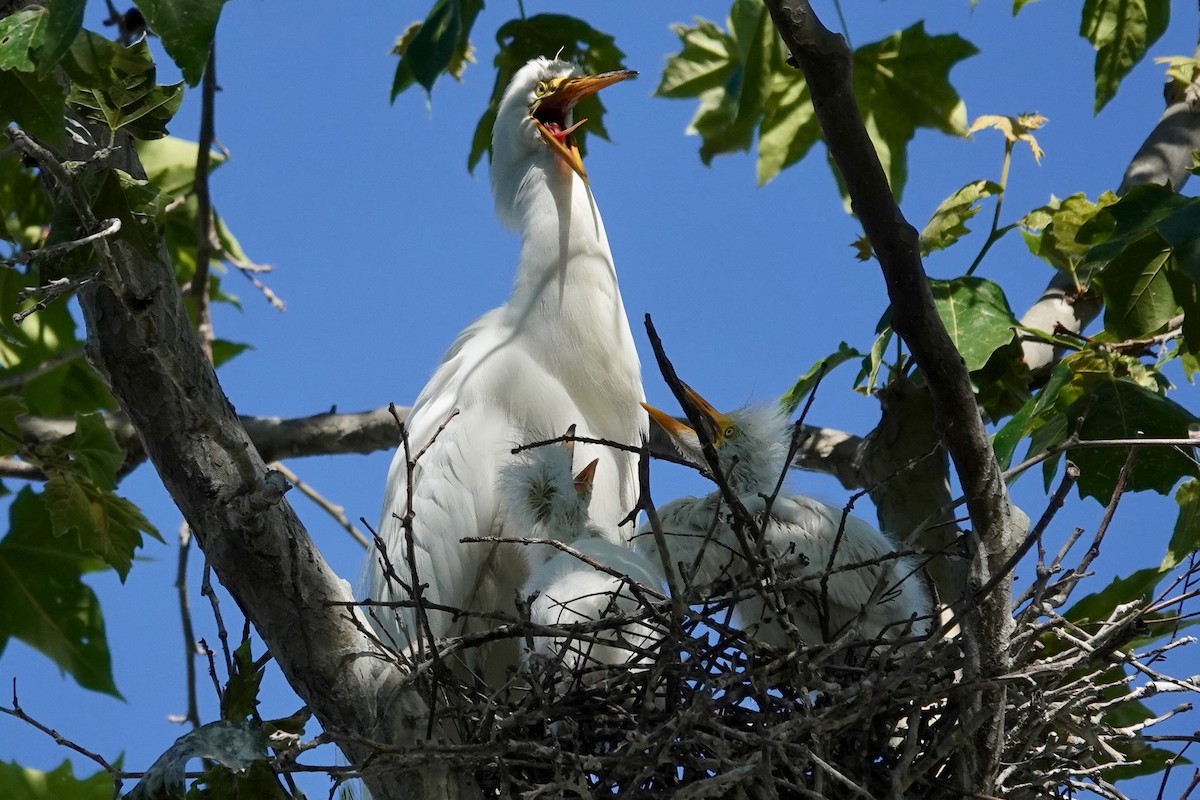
(385, 247)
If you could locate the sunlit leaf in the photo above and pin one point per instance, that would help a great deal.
(1123, 410)
(948, 223)
(1050, 231)
(25, 783)
(436, 45)
(44, 602)
(186, 28)
(808, 381)
(976, 315)
(1015, 129)
(1138, 297)
(1121, 31)
(20, 34)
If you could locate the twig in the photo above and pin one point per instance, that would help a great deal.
(189, 637)
(335, 511)
(205, 234)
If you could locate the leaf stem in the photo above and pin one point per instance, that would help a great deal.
(994, 234)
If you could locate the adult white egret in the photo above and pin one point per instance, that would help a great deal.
(867, 581)
(542, 500)
(559, 352)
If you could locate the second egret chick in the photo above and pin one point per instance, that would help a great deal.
(544, 501)
(839, 569)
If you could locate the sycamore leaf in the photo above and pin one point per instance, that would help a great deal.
(1015, 129)
(948, 223)
(1121, 31)
(976, 315)
(742, 83)
(1185, 539)
(903, 83)
(25, 783)
(1124, 410)
(115, 86)
(106, 524)
(20, 34)
(1050, 231)
(521, 40)
(1138, 295)
(235, 746)
(187, 28)
(62, 26)
(862, 248)
(33, 102)
(439, 44)
(11, 407)
(44, 602)
(240, 697)
(808, 381)
(170, 164)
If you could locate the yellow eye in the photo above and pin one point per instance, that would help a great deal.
(729, 432)
(541, 89)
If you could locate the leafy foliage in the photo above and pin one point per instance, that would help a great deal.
(60, 783)
(948, 223)
(187, 28)
(1121, 31)
(439, 44)
(740, 78)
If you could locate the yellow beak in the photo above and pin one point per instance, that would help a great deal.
(719, 422)
(563, 96)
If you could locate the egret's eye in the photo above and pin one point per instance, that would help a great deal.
(729, 432)
(541, 89)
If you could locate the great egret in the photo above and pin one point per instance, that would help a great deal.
(559, 352)
(867, 581)
(543, 501)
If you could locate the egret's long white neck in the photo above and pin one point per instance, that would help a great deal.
(565, 293)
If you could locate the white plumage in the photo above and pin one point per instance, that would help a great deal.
(543, 501)
(801, 536)
(558, 353)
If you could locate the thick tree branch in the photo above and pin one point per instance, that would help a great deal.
(827, 65)
(139, 338)
(821, 449)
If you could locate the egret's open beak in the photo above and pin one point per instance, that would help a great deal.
(583, 481)
(550, 113)
(718, 422)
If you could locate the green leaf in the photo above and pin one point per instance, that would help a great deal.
(20, 34)
(64, 24)
(11, 407)
(948, 223)
(976, 315)
(225, 351)
(34, 103)
(1138, 297)
(1120, 410)
(24, 783)
(1098, 606)
(234, 746)
(94, 450)
(435, 45)
(115, 86)
(170, 164)
(1185, 540)
(1002, 384)
(240, 697)
(789, 127)
(1121, 31)
(742, 82)
(523, 39)
(44, 602)
(903, 83)
(1050, 231)
(186, 28)
(808, 381)
(106, 524)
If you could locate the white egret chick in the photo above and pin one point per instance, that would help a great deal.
(542, 500)
(867, 581)
(559, 352)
